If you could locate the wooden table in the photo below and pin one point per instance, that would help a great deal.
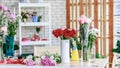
(99, 63)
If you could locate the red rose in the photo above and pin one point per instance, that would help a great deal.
(57, 33)
(72, 33)
(66, 33)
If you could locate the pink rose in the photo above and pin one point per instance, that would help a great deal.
(81, 20)
(87, 20)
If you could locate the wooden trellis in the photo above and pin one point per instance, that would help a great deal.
(101, 11)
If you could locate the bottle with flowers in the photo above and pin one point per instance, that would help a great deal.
(92, 35)
(65, 36)
(84, 30)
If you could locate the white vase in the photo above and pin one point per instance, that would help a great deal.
(65, 55)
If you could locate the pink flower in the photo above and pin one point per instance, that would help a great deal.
(1, 7)
(81, 20)
(4, 8)
(30, 62)
(47, 61)
(12, 16)
(87, 20)
(4, 28)
(84, 19)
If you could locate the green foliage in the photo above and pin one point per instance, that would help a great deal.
(117, 50)
(16, 47)
(37, 29)
(12, 27)
(99, 56)
(91, 39)
(39, 18)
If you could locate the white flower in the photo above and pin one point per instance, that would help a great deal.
(52, 57)
(4, 29)
(43, 57)
(29, 57)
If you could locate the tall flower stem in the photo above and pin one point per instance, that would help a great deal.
(84, 40)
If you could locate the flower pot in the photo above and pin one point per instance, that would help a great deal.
(34, 18)
(9, 43)
(65, 55)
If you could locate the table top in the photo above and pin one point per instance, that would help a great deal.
(99, 63)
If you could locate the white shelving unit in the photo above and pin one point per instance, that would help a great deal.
(28, 24)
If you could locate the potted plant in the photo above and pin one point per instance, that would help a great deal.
(65, 35)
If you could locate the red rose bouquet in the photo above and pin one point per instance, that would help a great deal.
(64, 33)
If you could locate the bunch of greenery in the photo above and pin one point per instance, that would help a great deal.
(12, 27)
(117, 49)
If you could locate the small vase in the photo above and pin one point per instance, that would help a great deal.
(92, 54)
(34, 18)
(9, 42)
(65, 55)
(85, 54)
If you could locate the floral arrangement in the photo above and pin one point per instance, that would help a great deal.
(46, 59)
(84, 30)
(64, 33)
(50, 59)
(7, 18)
